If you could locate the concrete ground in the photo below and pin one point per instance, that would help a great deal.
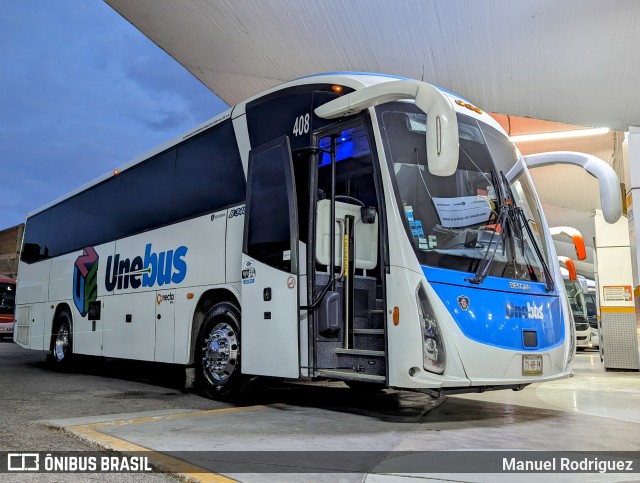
(334, 429)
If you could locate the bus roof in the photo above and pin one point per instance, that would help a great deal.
(354, 80)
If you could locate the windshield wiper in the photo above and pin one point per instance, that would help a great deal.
(503, 215)
(524, 222)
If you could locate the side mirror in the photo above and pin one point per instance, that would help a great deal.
(575, 235)
(569, 265)
(610, 197)
(442, 124)
(583, 284)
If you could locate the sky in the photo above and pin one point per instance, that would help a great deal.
(82, 92)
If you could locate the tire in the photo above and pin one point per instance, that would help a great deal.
(365, 388)
(62, 341)
(218, 354)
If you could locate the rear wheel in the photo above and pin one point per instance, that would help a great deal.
(218, 353)
(62, 341)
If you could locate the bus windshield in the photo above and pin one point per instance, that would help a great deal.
(7, 298)
(577, 301)
(452, 220)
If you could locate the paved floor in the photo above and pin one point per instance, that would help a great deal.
(596, 410)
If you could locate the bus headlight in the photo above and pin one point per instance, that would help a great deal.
(433, 353)
(572, 331)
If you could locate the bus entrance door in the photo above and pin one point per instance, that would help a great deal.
(270, 302)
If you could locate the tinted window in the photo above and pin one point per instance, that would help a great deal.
(146, 194)
(35, 238)
(208, 174)
(61, 235)
(268, 221)
(99, 213)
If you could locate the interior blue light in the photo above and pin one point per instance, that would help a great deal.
(344, 148)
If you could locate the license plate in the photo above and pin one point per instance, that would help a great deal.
(531, 365)
(5, 329)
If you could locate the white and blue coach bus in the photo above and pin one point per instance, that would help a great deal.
(217, 250)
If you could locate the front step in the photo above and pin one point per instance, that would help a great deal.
(370, 362)
(350, 376)
(369, 331)
(359, 352)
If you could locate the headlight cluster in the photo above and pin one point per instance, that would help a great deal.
(433, 353)
(572, 331)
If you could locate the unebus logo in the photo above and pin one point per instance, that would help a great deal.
(161, 268)
(85, 280)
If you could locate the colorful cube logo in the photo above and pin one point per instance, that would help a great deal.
(85, 280)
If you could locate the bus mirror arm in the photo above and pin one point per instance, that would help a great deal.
(610, 198)
(442, 124)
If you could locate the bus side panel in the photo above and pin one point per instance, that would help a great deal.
(36, 330)
(172, 259)
(33, 286)
(33, 291)
(235, 230)
(67, 282)
(61, 277)
(185, 309)
(225, 241)
(129, 328)
(204, 238)
(87, 334)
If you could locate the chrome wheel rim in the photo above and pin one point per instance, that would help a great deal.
(220, 353)
(62, 342)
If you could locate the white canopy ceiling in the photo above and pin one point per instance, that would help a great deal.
(574, 61)
(571, 61)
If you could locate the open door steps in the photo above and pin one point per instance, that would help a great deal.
(365, 359)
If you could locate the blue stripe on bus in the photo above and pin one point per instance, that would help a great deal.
(497, 314)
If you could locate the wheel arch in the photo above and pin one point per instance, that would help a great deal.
(207, 301)
(61, 307)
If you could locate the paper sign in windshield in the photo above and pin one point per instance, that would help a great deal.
(462, 211)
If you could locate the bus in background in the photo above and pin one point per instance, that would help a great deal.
(592, 312)
(7, 305)
(357, 227)
(576, 289)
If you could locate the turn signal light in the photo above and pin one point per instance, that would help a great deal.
(469, 106)
(189, 295)
(396, 316)
(336, 88)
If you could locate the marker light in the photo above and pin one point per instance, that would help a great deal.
(336, 88)
(433, 353)
(469, 106)
(396, 316)
(116, 171)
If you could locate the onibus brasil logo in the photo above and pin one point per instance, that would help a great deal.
(148, 270)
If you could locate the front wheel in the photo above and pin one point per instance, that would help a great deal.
(218, 353)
